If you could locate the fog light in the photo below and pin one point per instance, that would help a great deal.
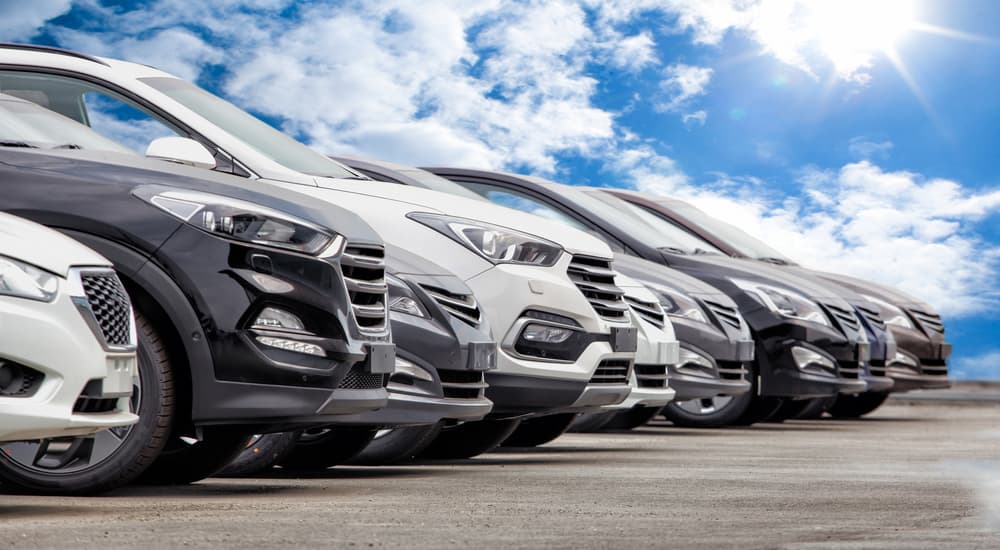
(805, 357)
(278, 319)
(292, 345)
(545, 333)
(904, 359)
(688, 357)
(407, 368)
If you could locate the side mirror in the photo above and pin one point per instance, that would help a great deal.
(181, 150)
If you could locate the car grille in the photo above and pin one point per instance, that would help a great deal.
(651, 312)
(930, 321)
(725, 314)
(358, 379)
(462, 384)
(110, 304)
(364, 275)
(732, 370)
(850, 369)
(462, 306)
(844, 317)
(934, 367)
(92, 405)
(872, 316)
(595, 278)
(651, 376)
(612, 371)
(876, 367)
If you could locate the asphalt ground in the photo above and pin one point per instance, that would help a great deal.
(925, 476)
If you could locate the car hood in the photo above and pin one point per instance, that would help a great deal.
(417, 199)
(887, 293)
(137, 171)
(645, 270)
(717, 266)
(42, 247)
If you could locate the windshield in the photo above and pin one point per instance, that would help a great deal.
(24, 124)
(746, 244)
(642, 225)
(254, 132)
(437, 183)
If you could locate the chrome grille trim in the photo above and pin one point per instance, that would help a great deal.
(872, 315)
(844, 317)
(651, 312)
(363, 267)
(596, 280)
(464, 307)
(725, 314)
(930, 321)
(612, 371)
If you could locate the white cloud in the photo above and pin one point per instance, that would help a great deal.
(985, 366)
(632, 52)
(894, 227)
(863, 148)
(697, 117)
(681, 84)
(20, 21)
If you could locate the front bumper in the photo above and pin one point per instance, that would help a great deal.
(925, 361)
(55, 340)
(781, 376)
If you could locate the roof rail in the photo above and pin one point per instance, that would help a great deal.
(50, 49)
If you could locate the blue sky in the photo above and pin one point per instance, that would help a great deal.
(856, 136)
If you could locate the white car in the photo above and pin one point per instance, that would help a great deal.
(527, 273)
(59, 377)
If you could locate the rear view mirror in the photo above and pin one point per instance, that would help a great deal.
(181, 150)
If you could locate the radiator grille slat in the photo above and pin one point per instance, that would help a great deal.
(364, 276)
(596, 280)
(651, 312)
(612, 371)
(464, 307)
(651, 376)
(725, 314)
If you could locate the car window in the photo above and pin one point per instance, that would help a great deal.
(520, 201)
(104, 111)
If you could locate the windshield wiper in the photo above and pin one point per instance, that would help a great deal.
(24, 144)
(673, 250)
(777, 261)
(68, 146)
(703, 252)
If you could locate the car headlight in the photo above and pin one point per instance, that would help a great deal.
(243, 221)
(26, 281)
(892, 315)
(496, 244)
(784, 302)
(401, 298)
(676, 303)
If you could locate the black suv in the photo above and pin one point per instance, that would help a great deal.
(256, 312)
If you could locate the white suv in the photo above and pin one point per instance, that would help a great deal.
(58, 375)
(527, 273)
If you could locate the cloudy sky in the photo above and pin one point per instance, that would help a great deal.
(856, 136)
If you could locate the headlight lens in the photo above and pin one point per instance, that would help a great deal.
(676, 303)
(891, 314)
(243, 221)
(401, 299)
(26, 281)
(499, 245)
(784, 302)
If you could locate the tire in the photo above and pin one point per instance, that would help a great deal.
(632, 418)
(723, 410)
(856, 406)
(539, 431)
(321, 448)
(123, 453)
(470, 439)
(397, 445)
(261, 453)
(184, 462)
(591, 422)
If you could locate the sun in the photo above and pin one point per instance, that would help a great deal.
(853, 27)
